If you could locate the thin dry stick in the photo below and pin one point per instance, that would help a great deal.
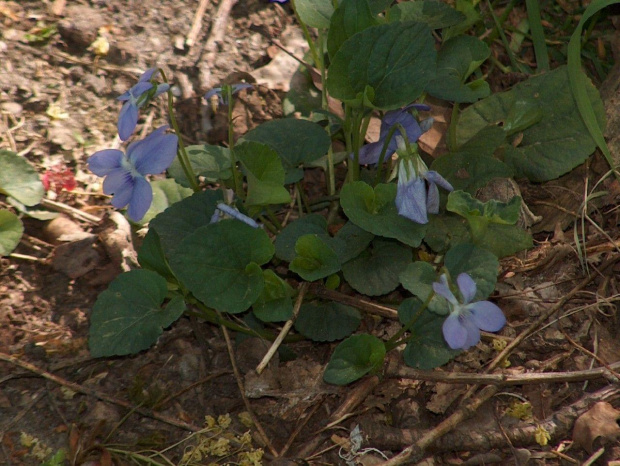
(395, 369)
(246, 402)
(558, 425)
(196, 25)
(415, 450)
(297, 430)
(285, 329)
(97, 394)
(73, 212)
(218, 29)
(361, 304)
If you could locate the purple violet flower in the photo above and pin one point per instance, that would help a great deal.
(134, 99)
(222, 96)
(232, 212)
(461, 329)
(414, 200)
(370, 153)
(126, 173)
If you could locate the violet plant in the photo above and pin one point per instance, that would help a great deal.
(217, 222)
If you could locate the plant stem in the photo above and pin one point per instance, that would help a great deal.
(181, 152)
(231, 146)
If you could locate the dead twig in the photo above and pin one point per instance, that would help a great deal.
(559, 425)
(397, 370)
(246, 402)
(361, 304)
(218, 29)
(196, 25)
(97, 394)
(71, 211)
(285, 329)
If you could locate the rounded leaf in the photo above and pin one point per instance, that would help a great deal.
(353, 358)
(327, 322)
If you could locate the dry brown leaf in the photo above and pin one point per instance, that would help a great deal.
(597, 426)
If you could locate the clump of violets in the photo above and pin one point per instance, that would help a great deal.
(417, 193)
(135, 98)
(370, 153)
(126, 172)
(461, 329)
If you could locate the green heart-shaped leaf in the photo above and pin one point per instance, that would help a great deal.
(327, 322)
(264, 172)
(128, 317)
(556, 140)
(314, 258)
(396, 61)
(375, 212)
(376, 271)
(220, 264)
(19, 179)
(11, 231)
(353, 358)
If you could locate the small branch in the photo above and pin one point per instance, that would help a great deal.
(397, 370)
(196, 25)
(97, 394)
(218, 29)
(72, 211)
(361, 304)
(559, 426)
(246, 402)
(285, 329)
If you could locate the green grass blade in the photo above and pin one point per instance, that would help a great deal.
(577, 81)
(538, 35)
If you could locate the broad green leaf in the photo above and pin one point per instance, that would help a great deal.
(183, 218)
(470, 12)
(303, 97)
(395, 61)
(418, 278)
(350, 242)
(480, 264)
(470, 172)
(327, 322)
(220, 264)
(446, 230)
(295, 141)
(275, 302)
(351, 17)
(493, 211)
(264, 172)
(492, 223)
(557, 143)
(456, 60)
(310, 224)
(505, 240)
(151, 256)
(375, 212)
(314, 258)
(427, 348)
(128, 317)
(315, 13)
(353, 358)
(437, 15)
(19, 179)
(211, 162)
(473, 166)
(376, 271)
(165, 193)
(11, 231)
